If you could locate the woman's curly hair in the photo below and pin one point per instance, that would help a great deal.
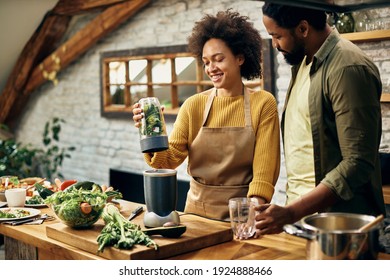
(238, 34)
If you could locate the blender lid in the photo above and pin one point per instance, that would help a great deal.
(160, 172)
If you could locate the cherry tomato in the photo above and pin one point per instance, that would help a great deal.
(66, 184)
(85, 207)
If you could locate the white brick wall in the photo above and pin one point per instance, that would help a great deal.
(103, 143)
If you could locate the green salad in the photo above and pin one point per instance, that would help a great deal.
(35, 200)
(13, 213)
(78, 207)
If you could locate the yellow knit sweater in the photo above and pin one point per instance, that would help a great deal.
(229, 111)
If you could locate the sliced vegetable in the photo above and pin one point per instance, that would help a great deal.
(104, 187)
(57, 182)
(85, 207)
(67, 183)
(43, 191)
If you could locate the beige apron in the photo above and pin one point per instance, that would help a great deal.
(220, 165)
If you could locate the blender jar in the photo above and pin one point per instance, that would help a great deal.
(153, 135)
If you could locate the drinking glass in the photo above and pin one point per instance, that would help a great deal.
(242, 216)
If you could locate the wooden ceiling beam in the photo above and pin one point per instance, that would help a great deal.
(99, 27)
(75, 7)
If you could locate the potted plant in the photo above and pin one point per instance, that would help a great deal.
(28, 161)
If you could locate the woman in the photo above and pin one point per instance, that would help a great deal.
(230, 133)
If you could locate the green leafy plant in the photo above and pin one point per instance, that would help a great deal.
(52, 157)
(16, 159)
(28, 161)
(153, 125)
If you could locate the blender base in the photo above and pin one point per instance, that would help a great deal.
(151, 219)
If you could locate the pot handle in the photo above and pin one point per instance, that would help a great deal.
(293, 230)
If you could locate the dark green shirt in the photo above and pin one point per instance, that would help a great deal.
(345, 115)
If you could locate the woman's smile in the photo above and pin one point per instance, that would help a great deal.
(216, 77)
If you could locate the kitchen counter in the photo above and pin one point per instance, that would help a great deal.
(32, 242)
(386, 193)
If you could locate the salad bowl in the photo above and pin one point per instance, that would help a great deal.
(78, 207)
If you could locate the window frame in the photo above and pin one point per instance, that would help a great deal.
(110, 110)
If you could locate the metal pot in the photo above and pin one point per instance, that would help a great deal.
(336, 236)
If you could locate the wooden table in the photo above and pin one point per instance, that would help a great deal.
(271, 247)
(386, 193)
(31, 242)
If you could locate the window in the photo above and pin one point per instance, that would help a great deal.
(169, 73)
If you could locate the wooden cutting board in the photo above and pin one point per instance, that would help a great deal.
(200, 233)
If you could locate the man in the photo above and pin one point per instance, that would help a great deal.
(331, 122)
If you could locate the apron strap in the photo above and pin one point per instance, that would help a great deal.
(247, 107)
(208, 105)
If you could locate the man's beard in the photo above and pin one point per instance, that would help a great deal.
(294, 57)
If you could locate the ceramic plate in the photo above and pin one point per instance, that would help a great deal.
(32, 213)
(34, 205)
(3, 203)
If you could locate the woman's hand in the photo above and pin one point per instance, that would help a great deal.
(137, 115)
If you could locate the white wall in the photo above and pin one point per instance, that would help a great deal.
(19, 19)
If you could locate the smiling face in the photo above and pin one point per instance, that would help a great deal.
(286, 41)
(221, 65)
